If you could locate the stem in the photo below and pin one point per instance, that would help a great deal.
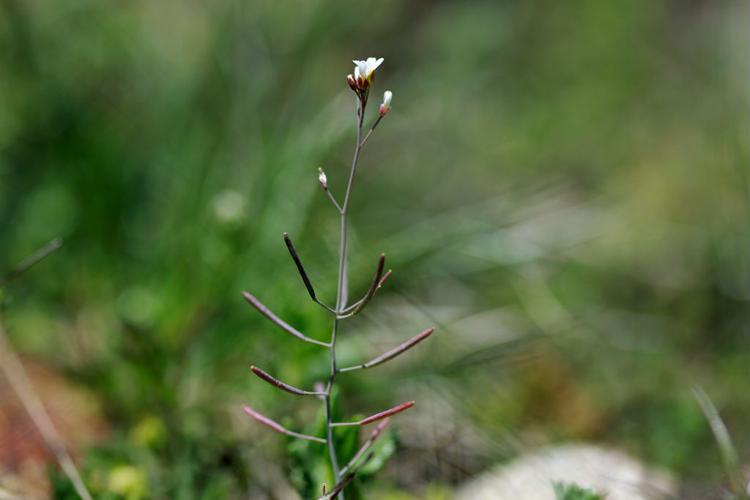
(366, 446)
(37, 256)
(372, 129)
(341, 292)
(333, 200)
(329, 417)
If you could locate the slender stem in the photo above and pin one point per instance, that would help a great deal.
(366, 446)
(341, 293)
(351, 368)
(37, 256)
(355, 159)
(329, 417)
(369, 132)
(333, 200)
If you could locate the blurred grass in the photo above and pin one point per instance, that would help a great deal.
(561, 188)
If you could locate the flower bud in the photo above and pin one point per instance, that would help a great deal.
(322, 179)
(352, 82)
(386, 106)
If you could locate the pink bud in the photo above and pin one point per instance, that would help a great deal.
(386, 106)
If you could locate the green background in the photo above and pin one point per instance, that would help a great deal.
(561, 189)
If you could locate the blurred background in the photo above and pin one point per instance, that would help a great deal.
(562, 190)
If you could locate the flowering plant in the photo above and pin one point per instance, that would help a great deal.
(360, 82)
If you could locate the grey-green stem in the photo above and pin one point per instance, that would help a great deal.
(341, 292)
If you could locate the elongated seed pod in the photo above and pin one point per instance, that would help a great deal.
(300, 267)
(387, 356)
(282, 385)
(278, 427)
(387, 413)
(265, 420)
(385, 278)
(278, 321)
(376, 281)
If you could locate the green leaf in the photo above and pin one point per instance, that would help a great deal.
(309, 462)
(382, 451)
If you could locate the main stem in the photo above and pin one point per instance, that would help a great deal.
(341, 292)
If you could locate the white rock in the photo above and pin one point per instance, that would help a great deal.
(605, 471)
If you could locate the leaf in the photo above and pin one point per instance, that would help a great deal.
(309, 465)
(382, 451)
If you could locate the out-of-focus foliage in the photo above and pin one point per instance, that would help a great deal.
(310, 463)
(573, 492)
(561, 188)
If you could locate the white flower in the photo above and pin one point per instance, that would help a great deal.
(363, 73)
(365, 69)
(322, 178)
(360, 68)
(386, 106)
(387, 96)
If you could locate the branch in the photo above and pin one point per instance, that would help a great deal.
(371, 291)
(278, 321)
(302, 272)
(377, 416)
(387, 356)
(324, 184)
(369, 132)
(283, 386)
(33, 259)
(278, 427)
(333, 199)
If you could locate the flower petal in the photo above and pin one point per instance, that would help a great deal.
(387, 96)
(372, 65)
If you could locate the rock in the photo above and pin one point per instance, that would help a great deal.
(605, 471)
